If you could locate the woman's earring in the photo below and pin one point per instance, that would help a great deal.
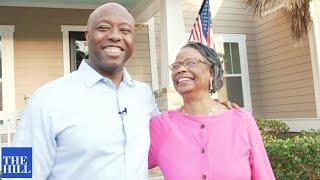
(211, 86)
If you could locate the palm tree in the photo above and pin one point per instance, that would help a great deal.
(298, 11)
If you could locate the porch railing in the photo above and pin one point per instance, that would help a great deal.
(8, 126)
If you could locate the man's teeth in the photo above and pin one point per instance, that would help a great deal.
(183, 79)
(114, 50)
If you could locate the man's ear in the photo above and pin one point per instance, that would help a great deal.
(86, 33)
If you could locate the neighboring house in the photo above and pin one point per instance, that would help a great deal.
(266, 71)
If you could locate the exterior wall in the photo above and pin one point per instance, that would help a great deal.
(38, 47)
(38, 44)
(139, 65)
(285, 72)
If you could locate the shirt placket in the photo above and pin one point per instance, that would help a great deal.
(124, 126)
(203, 150)
(120, 106)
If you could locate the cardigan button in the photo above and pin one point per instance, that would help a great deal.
(203, 150)
(204, 176)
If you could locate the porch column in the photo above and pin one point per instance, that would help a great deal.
(172, 32)
(153, 54)
(314, 40)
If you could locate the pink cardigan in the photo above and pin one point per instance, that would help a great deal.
(226, 146)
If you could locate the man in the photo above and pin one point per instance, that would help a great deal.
(93, 123)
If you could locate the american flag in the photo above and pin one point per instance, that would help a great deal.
(201, 30)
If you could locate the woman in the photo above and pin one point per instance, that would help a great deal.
(203, 139)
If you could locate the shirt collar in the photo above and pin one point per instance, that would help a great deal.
(91, 76)
(127, 78)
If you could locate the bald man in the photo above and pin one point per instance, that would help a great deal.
(94, 123)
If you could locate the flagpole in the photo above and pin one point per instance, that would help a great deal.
(190, 35)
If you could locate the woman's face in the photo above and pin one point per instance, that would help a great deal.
(190, 72)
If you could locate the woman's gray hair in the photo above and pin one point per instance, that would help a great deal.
(212, 57)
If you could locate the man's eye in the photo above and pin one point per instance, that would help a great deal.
(125, 30)
(103, 27)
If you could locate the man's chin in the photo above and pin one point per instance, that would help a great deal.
(112, 68)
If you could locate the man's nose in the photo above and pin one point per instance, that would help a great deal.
(115, 35)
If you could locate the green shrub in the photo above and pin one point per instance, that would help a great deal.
(272, 128)
(296, 157)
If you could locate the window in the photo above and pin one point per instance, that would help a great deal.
(78, 49)
(232, 83)
(233, 53)
(74, 47)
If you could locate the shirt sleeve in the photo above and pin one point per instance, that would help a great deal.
(152, 103)
(35, 130)
(259, 161)
(154, 143)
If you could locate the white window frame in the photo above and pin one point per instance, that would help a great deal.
(241, 40)
(65, 29)
(8, 89)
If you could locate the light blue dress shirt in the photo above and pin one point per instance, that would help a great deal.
(76, 132)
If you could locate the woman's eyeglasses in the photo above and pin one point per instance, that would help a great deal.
(188, 63)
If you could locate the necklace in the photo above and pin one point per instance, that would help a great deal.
(211, 111)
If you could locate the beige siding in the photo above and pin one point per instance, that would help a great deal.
(285, 72)
(139, 65)
(38, 46)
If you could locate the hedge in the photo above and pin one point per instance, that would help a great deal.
(292, 155)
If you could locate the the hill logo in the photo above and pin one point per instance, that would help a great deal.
(16, 162)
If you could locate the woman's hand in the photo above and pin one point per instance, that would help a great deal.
(228, 104)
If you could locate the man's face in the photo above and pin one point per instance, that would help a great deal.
(110, 40)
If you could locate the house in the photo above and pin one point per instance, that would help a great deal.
(267, 72)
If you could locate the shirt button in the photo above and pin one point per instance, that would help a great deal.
(202, 126)
(204, 176)
(203, 150)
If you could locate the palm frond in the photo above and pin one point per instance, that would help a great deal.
(300, 18)
(298, 11)
(257, 7)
